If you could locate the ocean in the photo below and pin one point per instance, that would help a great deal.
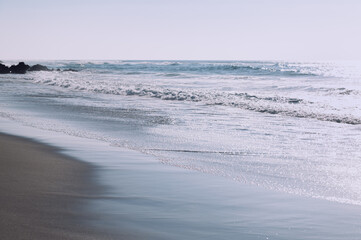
(288, 128)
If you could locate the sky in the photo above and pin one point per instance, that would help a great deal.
(181, 29)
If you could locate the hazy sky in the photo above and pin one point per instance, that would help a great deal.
(181, 29)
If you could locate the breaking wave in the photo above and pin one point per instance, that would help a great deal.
(286, 106)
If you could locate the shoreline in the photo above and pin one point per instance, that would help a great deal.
(44, 193)
(140, 198)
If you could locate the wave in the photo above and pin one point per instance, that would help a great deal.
(286, 106)
(342, 91)
(233, 68)
(171, 75)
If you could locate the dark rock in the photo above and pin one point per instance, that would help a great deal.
(66, 70)
(39, 67)
(21, 68)
(70, 70)
(4, 69)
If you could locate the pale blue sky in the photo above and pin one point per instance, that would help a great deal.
(186, 29)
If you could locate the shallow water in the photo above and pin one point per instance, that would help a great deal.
(145, 199)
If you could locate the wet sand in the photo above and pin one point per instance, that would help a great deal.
(44, 194)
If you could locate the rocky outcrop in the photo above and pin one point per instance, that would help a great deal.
(4, 69)
(39, 67)
(70, 70)
(21, 68)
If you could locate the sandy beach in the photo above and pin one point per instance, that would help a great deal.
(47, 195)
(180, 120)
(43, 193)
